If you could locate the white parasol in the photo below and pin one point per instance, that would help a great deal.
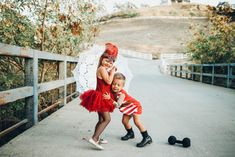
(85, 71)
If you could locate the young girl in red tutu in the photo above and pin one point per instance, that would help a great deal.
(93, 100)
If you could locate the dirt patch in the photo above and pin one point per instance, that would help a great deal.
(153, 35)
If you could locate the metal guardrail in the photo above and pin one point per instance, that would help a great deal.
(169, 58)
(213, 71)
(32, 89)
(174, 56)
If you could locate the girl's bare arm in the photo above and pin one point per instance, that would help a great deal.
(107, 77)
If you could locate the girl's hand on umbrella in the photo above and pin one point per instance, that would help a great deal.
(114, 69)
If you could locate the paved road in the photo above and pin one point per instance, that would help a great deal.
(172, 106)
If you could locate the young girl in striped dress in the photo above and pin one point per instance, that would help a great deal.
(129, 107)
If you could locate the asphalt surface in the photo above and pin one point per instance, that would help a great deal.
(171, 106)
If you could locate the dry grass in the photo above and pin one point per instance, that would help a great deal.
(183, 10)
(175, 10)
(153, 35)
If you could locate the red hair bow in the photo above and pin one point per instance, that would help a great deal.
(111, 50)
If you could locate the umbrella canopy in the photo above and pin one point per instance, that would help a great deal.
(85, 71)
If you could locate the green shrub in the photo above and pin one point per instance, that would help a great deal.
(15, 29)
(215, 42)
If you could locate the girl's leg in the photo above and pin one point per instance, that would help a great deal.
(100, 126)
(100, 120)
(146, 138)
(125, 122)
(138, 123)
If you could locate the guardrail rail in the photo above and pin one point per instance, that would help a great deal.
(215, 74)
(32, 88)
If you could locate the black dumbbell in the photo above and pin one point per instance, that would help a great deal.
(186, 141)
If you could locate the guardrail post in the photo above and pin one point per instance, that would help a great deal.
(181, 71)
(213, 74)
(62, 76)
(65, 84)
(186, 71)
(192, 72)
(201, 72)
(229, 74)
(35, 87)
(29, 100)
(171, 70)
(175, 70)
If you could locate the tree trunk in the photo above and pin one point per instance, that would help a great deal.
(43, 26)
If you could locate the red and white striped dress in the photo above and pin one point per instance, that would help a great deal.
(133, 106)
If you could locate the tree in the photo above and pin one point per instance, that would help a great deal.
(215, 42)
(57, 26)
(15, 28)
(48, 25)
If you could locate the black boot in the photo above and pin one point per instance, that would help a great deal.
(146, 139)
(130, 134)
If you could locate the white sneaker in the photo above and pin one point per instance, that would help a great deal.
(91, 141)
(102, 141)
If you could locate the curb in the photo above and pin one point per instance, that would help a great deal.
(156, 17)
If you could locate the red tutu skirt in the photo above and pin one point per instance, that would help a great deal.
(93, 101)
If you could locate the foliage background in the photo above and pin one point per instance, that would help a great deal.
(214, 42)
(57, 26)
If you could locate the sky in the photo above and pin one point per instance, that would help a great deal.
(109, 5)
(212, 2)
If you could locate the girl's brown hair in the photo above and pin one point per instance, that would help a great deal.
(102, 57)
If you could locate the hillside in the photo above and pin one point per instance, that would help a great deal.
(152, 34)
(189, 10)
